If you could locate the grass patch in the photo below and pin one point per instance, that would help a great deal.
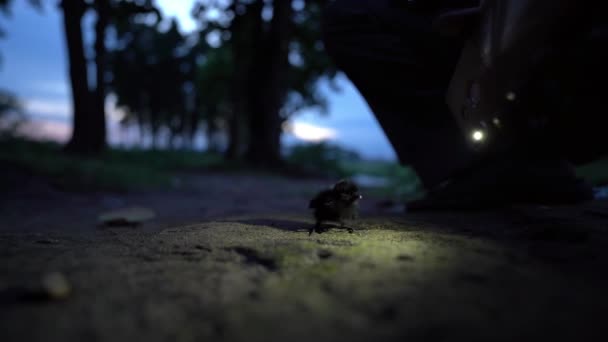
(125, 170)
(397, 182)
(400, 182)
(322, 159)
(595, 172)
(115, 170)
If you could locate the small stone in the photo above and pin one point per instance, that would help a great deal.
(511, 96)
(405, 257)
(496, 122)
(56, 286)
(324, 253)
(384, 204)
(388, 313)
(473, 278)
(47, 241)
(254, 295)
(127, 217)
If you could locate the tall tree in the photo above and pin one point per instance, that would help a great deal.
(213, 92)
(241, 49)
(153, 77)
(89, 119)
(278, 61)
(268, 85)
(87, 135)
(103, 10)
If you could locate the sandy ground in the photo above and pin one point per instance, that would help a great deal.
(229, 258)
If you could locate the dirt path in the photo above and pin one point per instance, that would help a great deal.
(229, 258)
(36, 207)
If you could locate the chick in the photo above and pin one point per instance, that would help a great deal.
(336, 204)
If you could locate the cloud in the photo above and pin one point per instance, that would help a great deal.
(59, 109)
(45, 130)
(309, 132)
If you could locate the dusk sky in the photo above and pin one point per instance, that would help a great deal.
(34, 67)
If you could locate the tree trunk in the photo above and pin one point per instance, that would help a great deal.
(99, 95)
(241, 49)
(193, 119)
(83, 129)
(268, 87)
(235, 130)
(212, 129)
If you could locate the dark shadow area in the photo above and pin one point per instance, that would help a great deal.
(566, 224)
(292, 225)
(288, 225)
(253, 257)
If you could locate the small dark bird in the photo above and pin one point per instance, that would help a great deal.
(336, 204)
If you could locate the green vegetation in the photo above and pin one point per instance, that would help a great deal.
(124, 170)
(324, 158)
(596, 172)
(117, 170)
(397, 182)
(401, 182)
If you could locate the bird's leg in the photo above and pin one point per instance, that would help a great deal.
(317, 228)
(313, 228)
(343, 225)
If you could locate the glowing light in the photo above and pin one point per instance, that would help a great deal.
(497, 122)
(477, 136)
(511, 96)
(308, 132)
(180, 10)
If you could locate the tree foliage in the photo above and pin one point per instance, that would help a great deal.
(250, 66)
(11, 112)
(278, 60)
(88, 97)
(153, 75)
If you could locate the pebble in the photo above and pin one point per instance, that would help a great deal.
(324, 253)
(56, 286)
(47, 241)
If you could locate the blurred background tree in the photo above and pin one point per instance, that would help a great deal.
(277, 59)
(11, 113)
(249, 67)
(152, 78)
(88, 127)
(88, 98)
(11, 109)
